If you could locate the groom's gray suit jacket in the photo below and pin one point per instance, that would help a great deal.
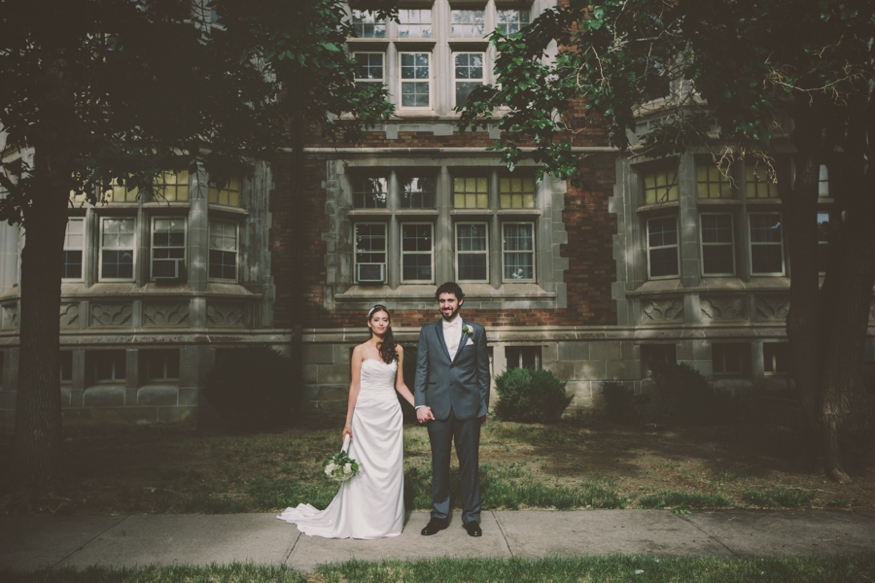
(461, 383)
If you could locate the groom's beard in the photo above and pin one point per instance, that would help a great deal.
(452, 315)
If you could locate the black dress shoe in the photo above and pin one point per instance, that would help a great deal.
(434, 526)
(473, 528)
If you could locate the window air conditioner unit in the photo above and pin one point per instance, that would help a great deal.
(168, 269)
(371, 272)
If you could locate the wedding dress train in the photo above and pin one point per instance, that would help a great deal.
(371, 504)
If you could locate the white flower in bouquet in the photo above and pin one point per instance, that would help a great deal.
(339, 467)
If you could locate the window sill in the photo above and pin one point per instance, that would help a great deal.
(104, 290)
(652, 209)
(712, 285)
(474, 292)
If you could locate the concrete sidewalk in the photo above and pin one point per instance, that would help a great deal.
(33, 542)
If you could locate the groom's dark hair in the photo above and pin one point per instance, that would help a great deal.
(451, 287)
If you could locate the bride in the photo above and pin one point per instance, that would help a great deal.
(371, 504)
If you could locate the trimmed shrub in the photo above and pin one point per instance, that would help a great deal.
(253, 388)
(530, 396)
(682, 392)
(619, 403)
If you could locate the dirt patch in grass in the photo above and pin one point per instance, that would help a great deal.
(167, 470)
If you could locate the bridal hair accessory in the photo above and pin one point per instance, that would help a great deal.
(339, 467)
(377, 308)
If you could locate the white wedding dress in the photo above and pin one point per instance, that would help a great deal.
(371, 504)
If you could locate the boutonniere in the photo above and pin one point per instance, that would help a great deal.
(467, 330)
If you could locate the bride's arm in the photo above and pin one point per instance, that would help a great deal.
(400, 386)
(354, 388)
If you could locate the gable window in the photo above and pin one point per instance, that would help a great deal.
(662, 247)
(366, 25)
(467, 24)
(168, 247)
(417, 252)
(415, 80)
(228, 195)
(369, 68)
(518, 251)
(472, 252)
(117, 249)
(712, 183)
(414, 23)
(660, 186)
(760, 182)
(370, 252)
(512, 21)
(718, 250)
(468, 76)
(223, 250)
(74, 245)
(370, 192)
(418, 192)
(470, 193)
(766, 244)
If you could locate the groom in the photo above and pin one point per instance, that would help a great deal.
(451, 393)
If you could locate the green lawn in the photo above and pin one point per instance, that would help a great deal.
(589, 570)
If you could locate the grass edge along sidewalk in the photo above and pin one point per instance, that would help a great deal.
(641, 569)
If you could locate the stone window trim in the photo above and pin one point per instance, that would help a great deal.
(776, 358)
(730, 359)
(706, 245)
(756, 245)
(117, 246)
(529, 251)
(74, 247)
(170, 250)
(464, 257)
(659, 244)
(548, 290)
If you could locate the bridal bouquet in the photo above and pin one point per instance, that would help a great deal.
(339, 467)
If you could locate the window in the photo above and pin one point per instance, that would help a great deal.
(523, 357)
(223, 250)
(662, 247)
(228, 195)
(66, 366)
(171, 186)
(468, 76)
(74, 245)
(120, 193)
(760, 182)
(161, 365)
(718, 251)
(730, 359)
(472, 252)
(467, 24)
(660, 186)
(168, 247)
(516, 193)
(822, 241)
(512, 21)
(712, 183)
(415, 80)
(776, 358)
(823, 181)
(369, 192)
(105, 366)
(370, 252)
(418, 192)
(369, 68)
(518, 251)
(414, 23)
(117, 249)
(417, 252)
(657, 353)
(366, 25)
(470, 193)
(766, 244)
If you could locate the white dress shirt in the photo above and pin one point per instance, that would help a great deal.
(452, 335)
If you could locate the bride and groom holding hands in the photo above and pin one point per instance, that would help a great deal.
(451, 397)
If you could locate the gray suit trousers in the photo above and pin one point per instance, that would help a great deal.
(466, 435)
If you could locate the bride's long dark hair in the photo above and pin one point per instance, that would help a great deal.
(387, 346)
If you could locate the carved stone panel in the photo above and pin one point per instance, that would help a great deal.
(69, 315)
(662, 310)
(111, 314)
(724, 308)
(10, 316)
(227, 314)
(165, 313)
(772, 308)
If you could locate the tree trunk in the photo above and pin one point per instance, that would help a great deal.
(38, 437)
